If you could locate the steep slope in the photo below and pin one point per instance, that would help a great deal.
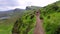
(8, 19)
(51, 20)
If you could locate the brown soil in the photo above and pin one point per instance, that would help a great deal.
(39, 25)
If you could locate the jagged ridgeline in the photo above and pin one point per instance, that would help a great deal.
(51, 20)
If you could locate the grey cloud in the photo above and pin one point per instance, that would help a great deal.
(9, 3)
(6, 4)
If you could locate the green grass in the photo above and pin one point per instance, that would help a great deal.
(6, 28)
(51, 21)
(7, 25)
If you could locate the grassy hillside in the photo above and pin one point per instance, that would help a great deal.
(51, 20)
(6, 25)
(25, 24)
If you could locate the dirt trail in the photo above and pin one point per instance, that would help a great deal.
(39, 27)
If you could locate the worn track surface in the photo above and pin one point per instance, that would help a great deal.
(39, 25)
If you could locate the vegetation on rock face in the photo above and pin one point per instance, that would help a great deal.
(51, 16)
(25, 24)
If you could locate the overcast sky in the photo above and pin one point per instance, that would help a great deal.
(12, 4)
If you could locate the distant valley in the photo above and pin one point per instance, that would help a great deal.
(7, 14)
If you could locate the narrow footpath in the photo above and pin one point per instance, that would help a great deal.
(39, 25)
